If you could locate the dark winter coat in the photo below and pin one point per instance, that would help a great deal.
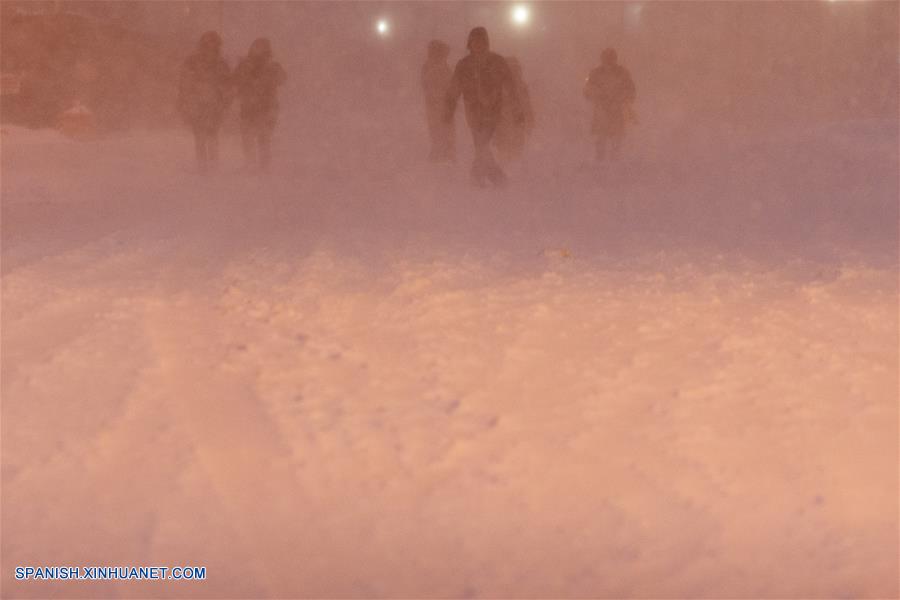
(481, 80)
(611, 90)
(435, 79)
(203, 91)
(516, 123)
(257, 82)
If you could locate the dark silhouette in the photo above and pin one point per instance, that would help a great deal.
(512, 133)
(436, 77)
(203, 96)
(257, 78)
(482, 77)
(611, 90)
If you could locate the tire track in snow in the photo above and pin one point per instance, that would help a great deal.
(239, 448)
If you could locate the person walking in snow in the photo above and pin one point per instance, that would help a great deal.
(512, 134)
(435, 80)
(257, 79)
(481, 78)
(611, 90)
(203, 97)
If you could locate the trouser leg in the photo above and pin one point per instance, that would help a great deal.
(434, 137)
(248, 143)
(615, 146)
(440, 134)
(443, 142)
(494, 172)
(440, 148)
(212, 149)
(200, 149)
(478, 164)
(264, 138)
(449, 142)
(485, 165)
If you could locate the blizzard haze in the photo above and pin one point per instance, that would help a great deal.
(672, 375)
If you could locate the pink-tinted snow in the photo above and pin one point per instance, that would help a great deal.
(356, 376)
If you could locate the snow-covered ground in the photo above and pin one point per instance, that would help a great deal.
(357, 378)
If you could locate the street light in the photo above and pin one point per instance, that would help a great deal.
(382, 27)
(521, 15)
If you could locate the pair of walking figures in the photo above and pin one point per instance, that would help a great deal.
(207, 87)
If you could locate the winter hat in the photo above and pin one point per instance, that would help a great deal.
(211, 39)
(478, 33)
(609, 56)
(438, 49)
(261, 47)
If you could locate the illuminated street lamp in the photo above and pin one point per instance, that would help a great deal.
(521, 15)
(382, 27)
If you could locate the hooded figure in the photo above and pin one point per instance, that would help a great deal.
(436, 76)
(257, 78)
(484, 80)
(512, 134)
(611, 90)
(203, 96)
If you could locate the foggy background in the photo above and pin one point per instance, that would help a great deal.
(357, 376)
(746, 64)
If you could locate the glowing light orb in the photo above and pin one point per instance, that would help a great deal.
(521, 15)
(382, 27)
